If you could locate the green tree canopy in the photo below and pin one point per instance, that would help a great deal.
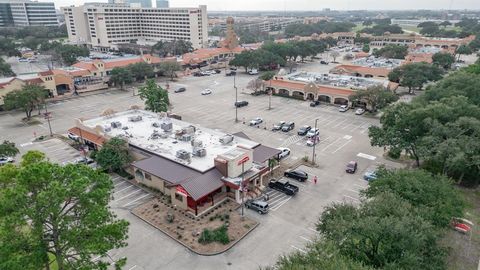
(70, 53)
(120, 76)
(375, 97)
(415, 75)
(444, 60)
(8, 149)
(114, 155)
(169, 68)
(27, 99)
(5, 69)
(140, 70)
(392, 51)
(57, 211)
(172, 48)
(155, 97)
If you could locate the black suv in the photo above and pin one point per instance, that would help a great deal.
(297, 175)
(314, 103)
(288, 126)
(303, 130)
(284, 186)
(241, 103)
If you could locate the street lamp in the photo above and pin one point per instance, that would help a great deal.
(314, 142)
(236, 98)
(47, 116)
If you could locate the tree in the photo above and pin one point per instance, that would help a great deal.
(334, 55)
(383, 233)
(169, 48)
(114, 155)
(415, 75)
(255, 84)
(70, 53)
(8, 149)
(267, 76)
(169, 69)
(366, 48)
(120, 76)
(27, 99)
(375, 97)
(244, 59)
(392, 51)
(444, 60)
(463, 49)
(60, 212)
(445, 23)
(5, 69)
(140, 70)
(434, 197)
(155, 97)
(8, 47)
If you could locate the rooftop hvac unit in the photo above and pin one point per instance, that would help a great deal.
(155, 135)
(226, 139)
(189, 130)
(186, 137)
(155, 124)
(182, 154)
(116, 124)
(167, 126)
(200, 152)
(197, 143)
(107, 128)
(135, 118)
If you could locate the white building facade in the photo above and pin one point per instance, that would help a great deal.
(104, 25)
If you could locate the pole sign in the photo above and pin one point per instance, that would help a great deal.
(243, 160)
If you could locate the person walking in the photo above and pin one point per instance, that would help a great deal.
(315, 179)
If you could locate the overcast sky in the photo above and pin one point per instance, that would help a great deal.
(224, 5)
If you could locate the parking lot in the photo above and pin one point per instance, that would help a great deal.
(290, 224)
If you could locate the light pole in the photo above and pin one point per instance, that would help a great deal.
(242, 187)
(314, 142)
(47, 116)
(236, 98)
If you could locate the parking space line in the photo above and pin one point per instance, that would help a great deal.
(275, 196)
(311, 229)
(276, 200)
(354, 191)
(361, 187)
(275, 208)
(124, 189)
(331, 144)
(341, 146)
(119, 183)
(128, 195)
(297, 248)
(339, 123)
(306, 239)
(139, 198)
(135, 266)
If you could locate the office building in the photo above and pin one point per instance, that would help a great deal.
(27, 13)
(102, 26)
(163, 4)
(140, 3)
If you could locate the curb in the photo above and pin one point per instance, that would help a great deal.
(189, 248)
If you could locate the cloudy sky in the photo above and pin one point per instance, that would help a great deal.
(222, 5)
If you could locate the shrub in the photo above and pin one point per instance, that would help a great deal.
(394, 153)
(219, 235)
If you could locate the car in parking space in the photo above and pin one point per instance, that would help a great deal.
(283, 152)
(230, 73)
(343, 108)
(256, 121)
(297, 175)
(253, 72)
(72, 136)
(313, 141)
(288, 126)
(323, 62)
(278, 126)
(241, 103)
(258, 205)
(6, 160)
(351, 167)
(218, 71)
(314, 103)
(313, 132)
(198, 74)
(83, 160)
(180, 89)
(370, 175)
(284, 186)
(359, 111)
(304, 130)
(206, 92)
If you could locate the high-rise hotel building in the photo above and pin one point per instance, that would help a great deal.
(102, 25)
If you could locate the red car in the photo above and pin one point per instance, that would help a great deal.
(351, 167)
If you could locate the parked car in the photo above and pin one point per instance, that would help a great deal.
(218, 71)
(5, 160)
(256, 121)
(304, 130)
(288, 126)
(323, 62)
(205, 73)
(284, 186)
(230, 73)
(72, 136)
(206, 92)
(360, 111)
(278, 126)
(233, 68)
(83, 160)
(313, 132)
(253, 72)
(314, 103)
(180, 89)
(283, 152)
(370, 175)
(351, 167)
(258, 205)
(297, 175)
(343, 108)
(241, 103)
(313, 141)
(198, 74)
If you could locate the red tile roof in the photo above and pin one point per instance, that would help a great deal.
(85, 65)
(45, 73)
(122, 62)
(419, 57)
(379, 72)
(201, 55)
(301, 86)
(89, 136)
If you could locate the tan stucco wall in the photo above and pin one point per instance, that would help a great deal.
(181, 204)
(14, 85)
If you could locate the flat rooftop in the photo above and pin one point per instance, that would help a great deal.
(335, 80)
(147, 133)
(379, 62)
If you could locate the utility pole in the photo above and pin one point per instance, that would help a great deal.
(242, 186)
(270, 92)
(236, 98)
(47, 116)
(314, 142)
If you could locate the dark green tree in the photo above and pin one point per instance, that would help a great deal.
(5, 69)
(463, 50)
(169, 69)
(392, 51)
(444, 60)
(57, 211)
(415, 75)
(70, 53)
(114, 155)
(26, 99)
(375, 97)
(120, 76)
(8, 149)
(141, 70)
(155, 97)
(366, 48)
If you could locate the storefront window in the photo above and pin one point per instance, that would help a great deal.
(179, 197)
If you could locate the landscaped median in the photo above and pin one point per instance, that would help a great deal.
(210, 234)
